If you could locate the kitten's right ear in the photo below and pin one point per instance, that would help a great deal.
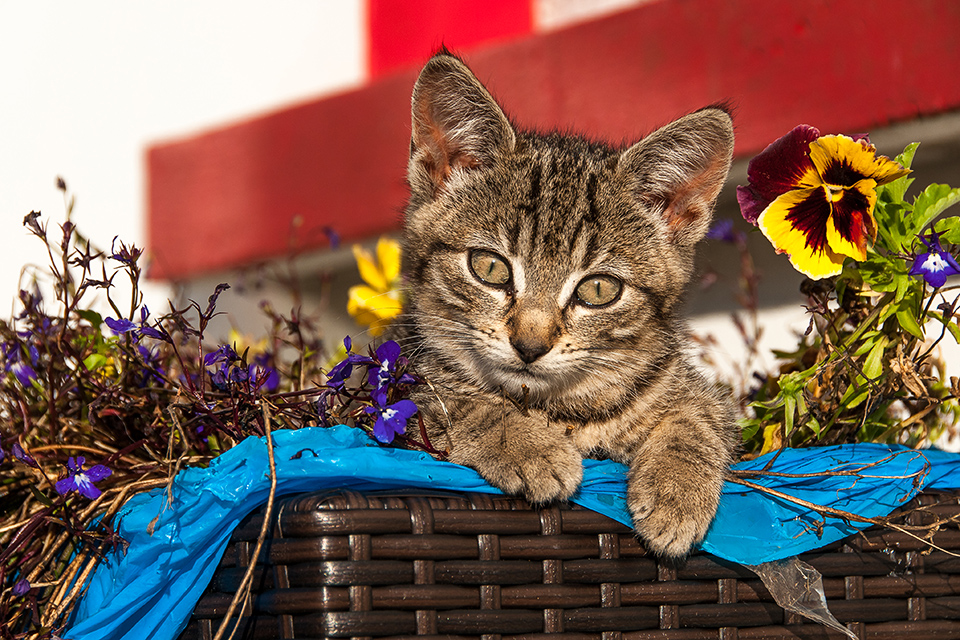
(457, 125)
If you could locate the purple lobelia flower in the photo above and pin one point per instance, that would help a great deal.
(936, 264)
(13, 362)
(391, 420)
(263, 374)
(723, 231)
(20, 588)
(23, 456)
(342, 371)
(224, 353)
(120, 326)
(82, 481)
(387, 355)
(125, 255)
(153, 366)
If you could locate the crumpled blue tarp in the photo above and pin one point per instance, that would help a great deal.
(150, 591)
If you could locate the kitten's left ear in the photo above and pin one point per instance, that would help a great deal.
(457, 125)
(678, 171)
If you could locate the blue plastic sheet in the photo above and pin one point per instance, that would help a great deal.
(174, 546)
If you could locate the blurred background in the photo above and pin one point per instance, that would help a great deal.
(241, 144)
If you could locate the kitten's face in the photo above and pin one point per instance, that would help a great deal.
(545, 265)
(541, 273)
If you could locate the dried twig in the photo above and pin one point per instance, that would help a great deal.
(243, 590)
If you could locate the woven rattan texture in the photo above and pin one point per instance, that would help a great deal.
(479, 566)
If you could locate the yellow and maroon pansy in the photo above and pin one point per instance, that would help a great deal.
(812, 196)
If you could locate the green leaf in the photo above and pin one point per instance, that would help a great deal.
(934, 200)
(94, 361)
(954, 330)
(951, 326)
(42, 497)
(873, 364)
(749, 428)
(867, 341)
(91, 316)
(854, 396)
(898, 187)
(949, 230)
(903, 281)
(906, 158)
(789, 407)
(908, 323)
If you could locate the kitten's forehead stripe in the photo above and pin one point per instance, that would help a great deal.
(592, 213)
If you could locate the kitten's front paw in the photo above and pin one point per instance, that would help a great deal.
(671, 512)
(541, 474)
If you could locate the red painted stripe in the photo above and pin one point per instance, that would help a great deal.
(267, 187)
(227, 198)
(404, 33)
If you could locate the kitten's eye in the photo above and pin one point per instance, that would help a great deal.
(598, 291)
(489, 267)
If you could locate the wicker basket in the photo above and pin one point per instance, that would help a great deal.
(480, 566)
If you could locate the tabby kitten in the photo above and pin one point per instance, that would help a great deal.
(544, 276)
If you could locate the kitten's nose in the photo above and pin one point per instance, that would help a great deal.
(529, 350)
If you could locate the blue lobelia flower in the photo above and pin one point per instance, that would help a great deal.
(723, 231)
(23, 456)
(13, 362)
(120, 326)
(266, 377)
(24, 373)
(387, 355)
(936, 264)
(125, 255)
(80, 480)
(22, 587)
(342, 371)
(153, 367)
(224, 353)
(391, 419)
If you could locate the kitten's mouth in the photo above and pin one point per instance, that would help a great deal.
(526, 379)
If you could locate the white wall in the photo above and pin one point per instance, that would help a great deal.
(86, 86)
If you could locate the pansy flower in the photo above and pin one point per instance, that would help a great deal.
(82, 481)
(377, 302)
(936, 264)
(813, 196)
(391, 419)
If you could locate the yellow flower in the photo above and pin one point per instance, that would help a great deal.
(813, 197)
(241, 342)
(380, 300)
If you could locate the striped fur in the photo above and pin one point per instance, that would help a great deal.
(526, 377)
